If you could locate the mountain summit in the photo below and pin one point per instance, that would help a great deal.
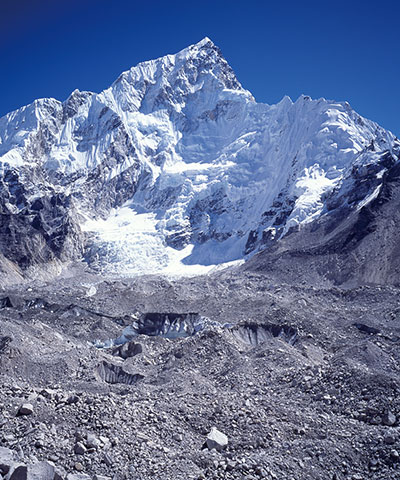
(176, 169)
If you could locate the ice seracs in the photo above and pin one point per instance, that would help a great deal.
(175, 168)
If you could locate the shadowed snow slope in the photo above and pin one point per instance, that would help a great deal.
(175, 168)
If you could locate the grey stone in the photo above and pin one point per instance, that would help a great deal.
(72, 399)
(25, 409)
(216, 440)
(108, 460)
(18, 472)
(389, 439)
(373, 463)
(177, 437)
(41, 471)
(128, 350)
(48, 393)
(389, 418)
(6, 454)
(80, 448)
(6, 460)
(79, 436)
(92, 441)
(78, 466)
(376, 420)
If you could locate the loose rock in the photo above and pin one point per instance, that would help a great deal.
(389, 418)
(216, 440)
(25, 409)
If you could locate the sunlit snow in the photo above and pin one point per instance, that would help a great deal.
(130, 243)
(209, 163)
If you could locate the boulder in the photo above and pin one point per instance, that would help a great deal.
(92, 441)
(6, 460)
(18, 472)
(127, 350)
(79, 448)
(389, 418)
(41, 471)
(25, 409)
(216, 440)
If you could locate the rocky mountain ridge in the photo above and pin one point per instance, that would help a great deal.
(176, 169)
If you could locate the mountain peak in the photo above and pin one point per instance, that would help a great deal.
(169, 82)
(203, 48)
(204, 41)
(176, 166)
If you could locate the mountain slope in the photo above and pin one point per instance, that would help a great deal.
(175, 168)
(346, 246)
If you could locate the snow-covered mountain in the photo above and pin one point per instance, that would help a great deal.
(176, 168)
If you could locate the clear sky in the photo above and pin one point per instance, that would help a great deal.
(342, 50)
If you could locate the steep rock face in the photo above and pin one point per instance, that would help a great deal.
(175, 167)
(355, 242)
(39, 231)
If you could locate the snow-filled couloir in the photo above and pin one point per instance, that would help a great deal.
(176, 168)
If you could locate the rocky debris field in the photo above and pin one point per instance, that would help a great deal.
(282, 382)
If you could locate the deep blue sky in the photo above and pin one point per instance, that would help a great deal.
(343, 50)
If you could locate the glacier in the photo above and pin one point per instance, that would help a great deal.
(176, 169)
